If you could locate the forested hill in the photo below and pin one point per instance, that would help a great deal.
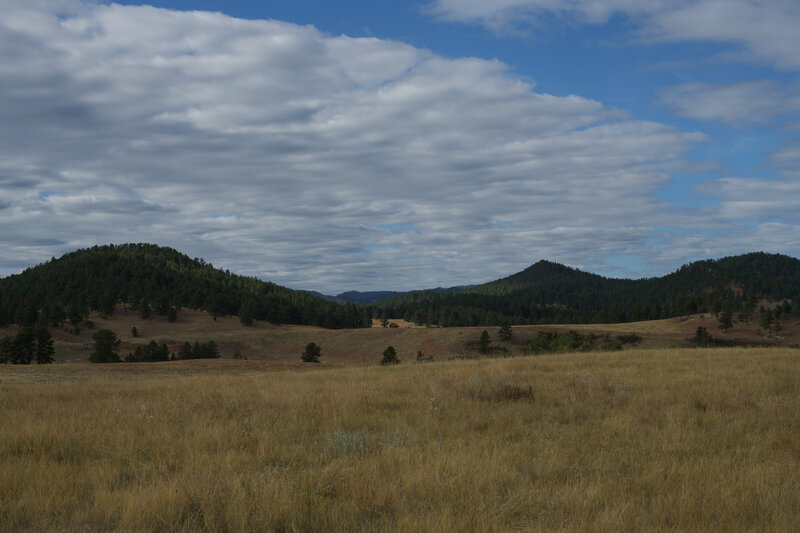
(551, 293)
(149, 277)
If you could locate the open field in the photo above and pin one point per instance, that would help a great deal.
(625, 441)
(347, 347)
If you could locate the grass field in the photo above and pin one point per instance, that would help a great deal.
(672, 439)
(347, 347)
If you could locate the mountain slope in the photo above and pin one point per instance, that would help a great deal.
(551, 293)
(149, 276)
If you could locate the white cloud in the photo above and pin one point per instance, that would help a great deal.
(275, 150)
(759, 200)
(764, 30)
(735, 103)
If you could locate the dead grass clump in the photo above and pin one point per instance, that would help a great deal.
(503, 390)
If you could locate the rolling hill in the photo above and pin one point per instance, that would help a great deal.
(148, 277)
(548, 292)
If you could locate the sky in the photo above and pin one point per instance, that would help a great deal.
(362, 145)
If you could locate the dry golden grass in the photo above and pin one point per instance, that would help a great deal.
(346, 347)
(681, 440)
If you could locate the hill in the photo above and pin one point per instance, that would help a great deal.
(547, 292)
(148, 278)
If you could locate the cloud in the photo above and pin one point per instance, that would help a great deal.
(757, 200)
(278, 151)
(735, 103)
(763, 30)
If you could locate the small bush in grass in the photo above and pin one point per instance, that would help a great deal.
(421, 357)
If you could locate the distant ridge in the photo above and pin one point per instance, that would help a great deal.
(548, 292)
(371, 297)
(159, 278)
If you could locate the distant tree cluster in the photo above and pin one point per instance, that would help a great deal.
(106, 350)
(770, 319)
(149, 353)
(206, 350)
(29, 345)
(574, 341)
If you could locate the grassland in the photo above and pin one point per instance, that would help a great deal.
(283, 344)
(672, 439)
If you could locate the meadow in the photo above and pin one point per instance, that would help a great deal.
(639, 440)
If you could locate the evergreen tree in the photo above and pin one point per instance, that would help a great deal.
(311, 354)
(390, 356)
(44, 347)
(246, 313)
(504, 333)
(702, 338)
(212, 352)
(106, 347)
(726, 319)
(5, 349)
(106, 305)
(766, 318)
(23, 347)
(185, 351)
(483, 342)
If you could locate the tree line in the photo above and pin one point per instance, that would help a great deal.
(107, 344)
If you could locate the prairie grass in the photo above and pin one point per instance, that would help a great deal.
(680, 440)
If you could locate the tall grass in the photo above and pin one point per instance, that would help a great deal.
(639, 440)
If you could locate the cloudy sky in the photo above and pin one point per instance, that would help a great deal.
(398, 145)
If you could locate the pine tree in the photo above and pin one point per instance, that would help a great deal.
(23, 347)
(726, 319)
(5, 349)
(504, 333)
(311, 354)
(702, 338)
(247, 313)
(483, 342)
(106, 346)
(390, 356)
(44, 347)
(185, 351)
